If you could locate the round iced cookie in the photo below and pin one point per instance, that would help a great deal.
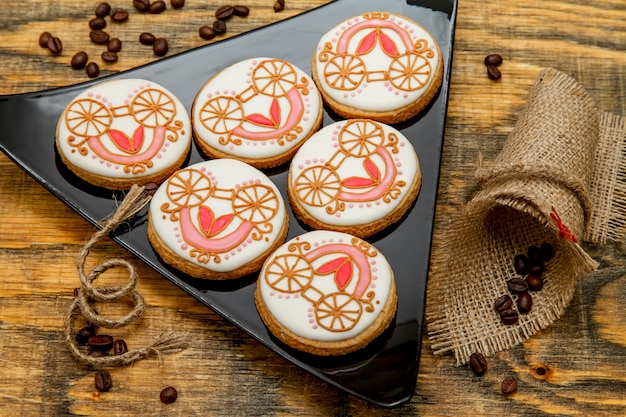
(124, 132)
(356, 176)
(217, 219)
(326, 293)
(379, 66)
(259, 111)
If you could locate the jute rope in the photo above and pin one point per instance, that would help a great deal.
(165, 343)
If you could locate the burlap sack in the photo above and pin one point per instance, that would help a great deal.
(559, 178)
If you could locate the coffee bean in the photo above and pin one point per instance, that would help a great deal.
(157, 7)
(241, 11)
(493, 73)
(520, 263)
(546, 252)
(160, 46)
(44, 38)
(503, 303)
(55, 46)
(114, 45)
(168, 395)
(536, 269)
(509, 317)
(103, 9)
(109, 57)
(97, 353)
(142, 5)
(120, 347)
(177, 4)
(219, 26)
(517, 285)
(150, 188)
(279, 5)
(509, 385)
(224, 12)
(92, 69)
(524, 303)
(118, 15)
(99, 36)
(103, 380)
(147, 38)
(206, 32)
(493, 59)
(535, 283)
(83, 335)
(478, 363)
(79, 60)
(97, 23)
(533, 255)
(100, 342)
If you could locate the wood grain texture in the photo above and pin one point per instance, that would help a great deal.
(575, 367)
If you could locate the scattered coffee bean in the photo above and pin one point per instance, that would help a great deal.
(92, 69)
(517, 285)
(524, 303)
(97, 353)
(535, 282)
(160, 46)
(99, 36)
(103, 380)
(55, 46)
(520, 263)
(168, 395)
(493, 73)
(279, 5)
(97, 23)
(493, 59)
(83, 335)
(241, 11)
(44, 38)
(224, 12)
(118, 15)
(509, 385)
(120, 347)
(177, 4)
(150, 188)
(157, 7)
(142, 5)
(103, 9)
(546, 252)
(147, 38)
(536, 269)
(100, 342)
(79, 60)
(114, 45)
(509, 317)
(109, 57)
(503, 303)
(219, 26)
(206, 32)
(478, 363)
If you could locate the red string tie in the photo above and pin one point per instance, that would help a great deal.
(564, 232)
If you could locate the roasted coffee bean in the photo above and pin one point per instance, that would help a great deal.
(546, 252)
(83, 335)
(520, 263)
(97, 23)
(524, 303)
(142, 5)
(279, 5)
(120, 347)
(99, 36)
(118, 15)
(219, 26)
(100, 342)
(536, 269)
(509, 317)
(493, 73)
(79, 60)
(109, 57)
(103, 9)
(533, 255)
(157, 7)
(517, 285)
(206, 32)
(97, 353)
(493, 59)
(168, 395)
(114, 45)
(103, 380)
(55, 46)
(44, 38)
(224, 12)
(509, 385)
(160, 46)
(241, 11)
(92, 69)
(503, 303)
(535, 282)
(147, 38)
(150, 188)
(177, 4)
(478, 363)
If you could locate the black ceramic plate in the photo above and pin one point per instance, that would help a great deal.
(384, 373)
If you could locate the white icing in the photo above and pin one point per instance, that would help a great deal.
(245, 89)
(227, 187)
(370, 72)
(124, 106)
(299, 310)
(326, 151)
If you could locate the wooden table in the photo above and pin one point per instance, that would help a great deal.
(225, 372)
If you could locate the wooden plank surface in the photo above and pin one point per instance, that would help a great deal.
(575, 367)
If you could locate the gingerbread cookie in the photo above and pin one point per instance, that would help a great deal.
(124, 132)
(259, 111)
(356, 176)
(217, 219)
(326, 293)
(379, 66)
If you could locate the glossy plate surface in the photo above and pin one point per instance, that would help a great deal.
(384, 373)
